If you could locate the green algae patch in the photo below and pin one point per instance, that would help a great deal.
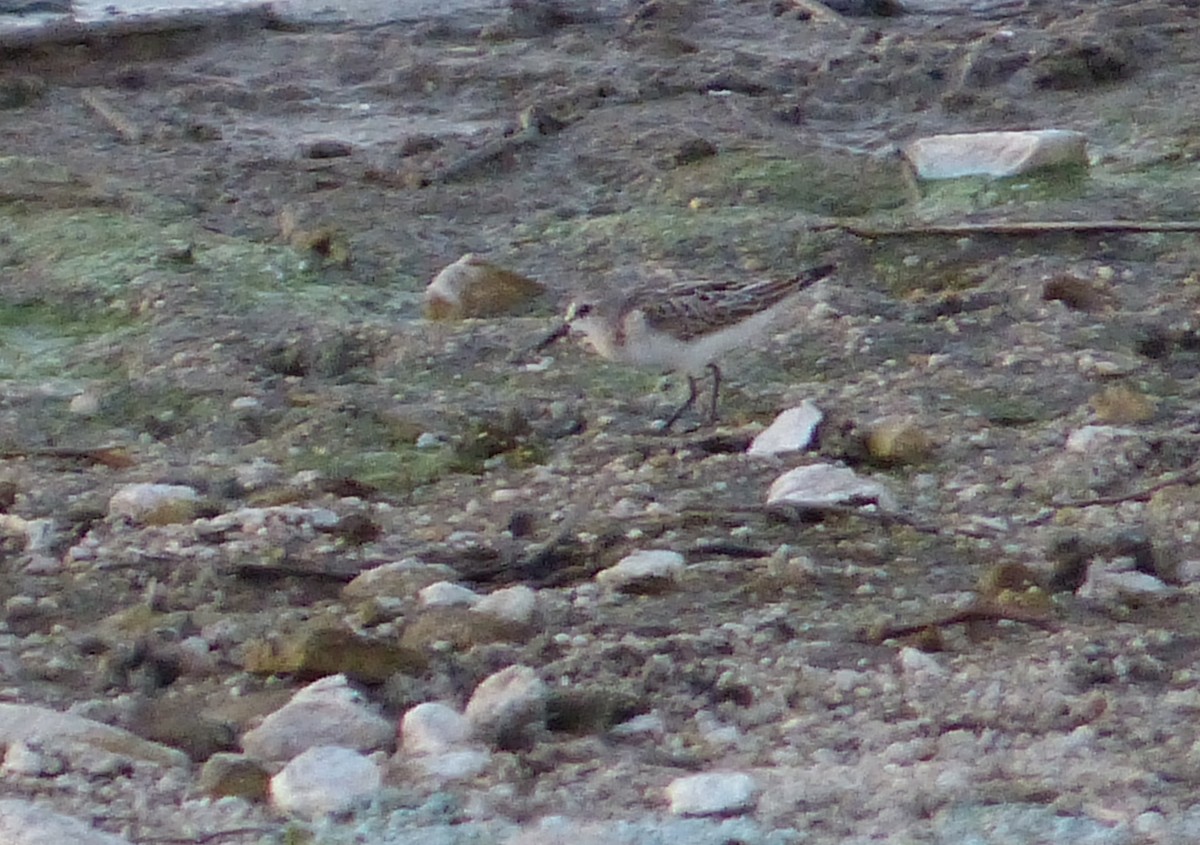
(824, 183)
(39, 339)
(398, 470)
(746, 237)
(943, 197)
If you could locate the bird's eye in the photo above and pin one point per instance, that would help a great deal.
(583, 310)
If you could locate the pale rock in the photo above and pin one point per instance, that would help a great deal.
(446, 594)
(1104, 584)
(429, 440)
(398, 579)
(155, 504)
(642, 566)
(196, 656)
(30, 823)
(516, 604)
(68, 735)
(246, 403)
(917, 664)
(455, 764)
(1089, 438)
(996, 154)
(324, 780)
(824, 485)
(258, 474)
(508, 703)
(258, 520)
(791, 431)
(474, 287)
(712, 794)
(432, 728)
(86, 404)
(326, 712)
(26, 760)
(1189, 572)
(1183, 700)
(649, 724)
(38, 534)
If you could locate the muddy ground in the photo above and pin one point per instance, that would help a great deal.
(213, 248)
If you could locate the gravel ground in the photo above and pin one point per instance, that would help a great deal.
(214, 246)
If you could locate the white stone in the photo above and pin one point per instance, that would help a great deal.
(325, 779)
(245, 403)
(651, 724)
(919, 664)
(432, 728)
(791, 431)
(1105, 585)
(148, 502)
(66, 734)
(823, 485)
(712, 794)
(86, 404)
(39, 534)
(1189, 571)
(21, 758)
(326, 712)
(258, 474)
(642, 565)
(29, 823)
(996, 154)
(446, 594)
(507, 703)
(458, 764)
(398, 579)
(516, 604)
(1090, 438)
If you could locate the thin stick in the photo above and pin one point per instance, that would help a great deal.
(1025, 228)
(128, 131)
(975, 613)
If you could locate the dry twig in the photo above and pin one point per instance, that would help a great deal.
(1026, 228)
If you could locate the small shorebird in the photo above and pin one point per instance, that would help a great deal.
(685, 327)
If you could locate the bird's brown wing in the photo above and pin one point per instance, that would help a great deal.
(693, 309)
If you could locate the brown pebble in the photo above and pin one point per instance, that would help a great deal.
(327, 148)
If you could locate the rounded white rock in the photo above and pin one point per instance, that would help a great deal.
(791, 431)
(447, 594)
(507, 703)
(326, 712)
(516, 604)
(642, 565)
(325, 779)
(432, 728)
(28, 823)
(712, 794)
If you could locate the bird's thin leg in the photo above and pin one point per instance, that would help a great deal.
(679, 412)
(712, 409)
